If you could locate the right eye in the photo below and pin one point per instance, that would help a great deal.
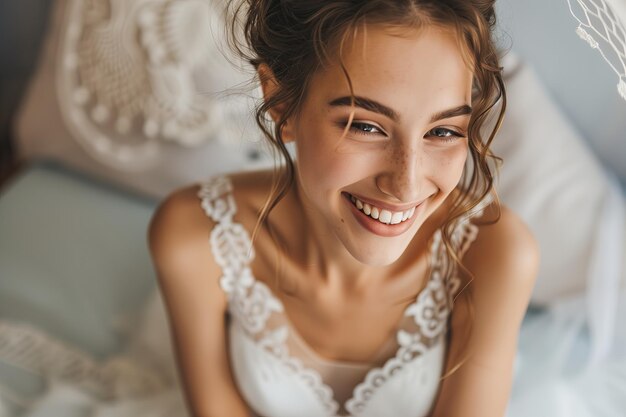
(365, 129)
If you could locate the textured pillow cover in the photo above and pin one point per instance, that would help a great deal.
(138, 93)
(552, 180)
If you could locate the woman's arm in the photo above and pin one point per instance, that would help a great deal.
(504, 260)
(188, 277)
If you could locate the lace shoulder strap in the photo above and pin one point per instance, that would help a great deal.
(464, 234)
(217, 199)
(441, 290)
(230, 242)
(465, 231)
(250, 301)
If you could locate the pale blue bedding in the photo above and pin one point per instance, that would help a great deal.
(73, 258)
(73, 254)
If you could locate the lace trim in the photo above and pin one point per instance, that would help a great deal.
(412, 346)
(252, 302)
(431, 309)
(464, 234)
(274, 342)
(26, 347)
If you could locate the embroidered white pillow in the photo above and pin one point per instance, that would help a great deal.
(139, 93)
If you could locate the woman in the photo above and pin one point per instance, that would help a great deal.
(382, 277)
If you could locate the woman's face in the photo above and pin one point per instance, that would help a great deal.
(405, 149)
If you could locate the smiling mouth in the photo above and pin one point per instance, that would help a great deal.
(383, 216)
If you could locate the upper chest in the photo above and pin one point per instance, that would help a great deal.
(334, 323)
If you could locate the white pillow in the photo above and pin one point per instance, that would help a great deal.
(137, 93)
(552, 179)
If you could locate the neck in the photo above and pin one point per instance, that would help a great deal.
(325, 256)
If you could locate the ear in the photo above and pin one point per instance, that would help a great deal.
(270, 86)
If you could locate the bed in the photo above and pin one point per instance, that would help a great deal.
(82, 326)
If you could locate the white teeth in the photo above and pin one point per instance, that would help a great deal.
(383, 215)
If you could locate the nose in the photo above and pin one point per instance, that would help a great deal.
(405, 173)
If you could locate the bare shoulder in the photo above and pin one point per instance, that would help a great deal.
(504, 248)
(180, 220)
(179, 224)
(179, 228)
(178, 239)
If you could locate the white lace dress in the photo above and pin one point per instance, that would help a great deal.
(279, 375)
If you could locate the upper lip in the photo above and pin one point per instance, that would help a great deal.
(387, 206)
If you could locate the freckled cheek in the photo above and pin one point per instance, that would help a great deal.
(448, 167)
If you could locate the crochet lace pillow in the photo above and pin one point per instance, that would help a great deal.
(139, 93)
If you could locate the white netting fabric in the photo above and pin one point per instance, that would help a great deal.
(601, 24)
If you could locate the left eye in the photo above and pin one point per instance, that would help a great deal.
(445, 134)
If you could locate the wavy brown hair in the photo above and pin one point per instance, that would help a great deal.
(295, 38)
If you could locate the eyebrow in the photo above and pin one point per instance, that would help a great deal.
(372, 105)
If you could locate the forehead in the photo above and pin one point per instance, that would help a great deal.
(400, 67)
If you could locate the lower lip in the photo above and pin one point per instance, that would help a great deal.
(378, 228)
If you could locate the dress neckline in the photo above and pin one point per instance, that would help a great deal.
(377, 356)
(371, 370)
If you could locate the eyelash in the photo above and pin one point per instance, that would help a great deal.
(454, 135)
